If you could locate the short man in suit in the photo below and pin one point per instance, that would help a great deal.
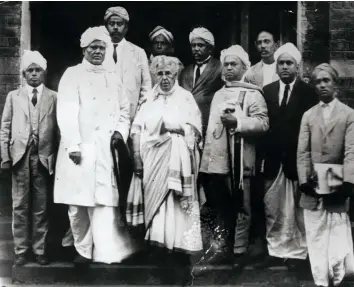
(264, 72)
(327, 137)
(287, 100)
(29, 143)
(203, 78)
(129, 60)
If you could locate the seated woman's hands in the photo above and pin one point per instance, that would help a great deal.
(184, 202)
(171, 127)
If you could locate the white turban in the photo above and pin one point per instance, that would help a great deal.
(238, 51)
(161, 31)
(202, 33)
(291, 50)
(119, 11)
(33, 57)
(92, 34)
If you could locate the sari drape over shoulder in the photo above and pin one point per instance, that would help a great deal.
(170, 163)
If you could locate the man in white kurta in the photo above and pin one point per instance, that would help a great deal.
(129, 60)
(92, 110)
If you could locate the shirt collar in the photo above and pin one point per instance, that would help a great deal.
(30, 89)
(121, 43)
(282, 85)
(203, 62)
(330, 104)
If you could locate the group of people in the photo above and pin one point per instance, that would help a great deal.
(196, 137)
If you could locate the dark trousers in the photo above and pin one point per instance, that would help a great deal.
(221, 209)
(30, 185)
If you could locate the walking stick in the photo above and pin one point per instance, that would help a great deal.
(123, 174)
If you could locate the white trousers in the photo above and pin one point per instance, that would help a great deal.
(98, 235)
(330, 246)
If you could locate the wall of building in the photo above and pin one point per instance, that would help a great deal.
(341, 49)
(10, 51)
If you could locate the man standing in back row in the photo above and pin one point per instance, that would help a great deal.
(264, 72)
(129, 60)
(203, 78)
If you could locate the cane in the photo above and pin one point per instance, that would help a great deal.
(123, 180)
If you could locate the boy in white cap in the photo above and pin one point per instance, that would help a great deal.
(29, 142)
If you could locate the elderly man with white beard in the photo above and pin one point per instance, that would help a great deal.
(92, 111)
(238, 115)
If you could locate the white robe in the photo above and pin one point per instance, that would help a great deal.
(91, 107)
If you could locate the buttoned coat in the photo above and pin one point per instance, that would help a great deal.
(16, 127)
(91, 107)
(132, 68)
(204, 89)
(254, 123)
(332, 143)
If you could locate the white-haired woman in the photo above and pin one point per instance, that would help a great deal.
(165, 135)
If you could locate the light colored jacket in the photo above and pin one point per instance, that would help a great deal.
(215, 154)
(255, 75)
(320, 143)
(91, 107)
(16, 127)
(132, 68)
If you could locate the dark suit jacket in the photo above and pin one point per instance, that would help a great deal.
(207, 85)
(279, 145)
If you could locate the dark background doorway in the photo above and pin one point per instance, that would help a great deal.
(57, 26)
(279, 17)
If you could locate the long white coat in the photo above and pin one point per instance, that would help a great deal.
(91, 106)
(132, 68)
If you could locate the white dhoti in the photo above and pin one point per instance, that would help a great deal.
(98, 235)
(330, 245)
(285, 230)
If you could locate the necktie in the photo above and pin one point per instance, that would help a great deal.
(285, 97)
(197, 74)
(115, 53)
(34, 97)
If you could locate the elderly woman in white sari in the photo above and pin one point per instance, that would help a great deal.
(165, 135)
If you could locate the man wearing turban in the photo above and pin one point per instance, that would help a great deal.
(129, 60)
(238, 114)
(287, 100)
(162, 44)
(203, 78)
(264, 72)
(29, 143)
(328, 126)
(93, 113)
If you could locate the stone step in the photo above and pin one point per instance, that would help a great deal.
(118, 274)
(6, 257)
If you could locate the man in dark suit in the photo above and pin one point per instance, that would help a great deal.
(287, 100)
(203, 78)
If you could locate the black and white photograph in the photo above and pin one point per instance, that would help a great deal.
(177, 143)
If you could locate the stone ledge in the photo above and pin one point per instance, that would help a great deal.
(66, 273)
